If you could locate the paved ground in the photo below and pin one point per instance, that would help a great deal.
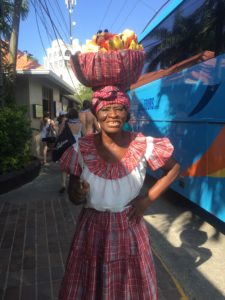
(191, 246)
(37, 225)
(36, 228)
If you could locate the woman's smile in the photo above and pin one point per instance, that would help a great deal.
(113, 123)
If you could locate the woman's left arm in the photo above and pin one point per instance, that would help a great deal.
(139, 204)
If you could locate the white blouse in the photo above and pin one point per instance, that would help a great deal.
(114, 185)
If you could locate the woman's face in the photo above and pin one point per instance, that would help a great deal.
(112, 117)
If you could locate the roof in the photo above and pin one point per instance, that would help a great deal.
(27, 65)
(26, 62)
(49, 75)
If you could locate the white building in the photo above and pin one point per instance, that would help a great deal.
(58, 60)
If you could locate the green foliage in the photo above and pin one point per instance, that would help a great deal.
(83, 93)
(6, 11)
(8, 87)
(15, 137)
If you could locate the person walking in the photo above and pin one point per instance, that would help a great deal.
(87, 119)
(61, 123)
(76, 128)
(110, 256)
(47, 126)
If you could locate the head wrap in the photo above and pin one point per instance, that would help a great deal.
(109, 95)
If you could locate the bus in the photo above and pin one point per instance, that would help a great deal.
(181, 94)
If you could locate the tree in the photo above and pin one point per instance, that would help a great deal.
(83, 93)
(10, 13)
(20, 10)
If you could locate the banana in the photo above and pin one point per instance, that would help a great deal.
(118, 44)
(133, 45)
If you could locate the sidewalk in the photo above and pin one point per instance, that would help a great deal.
(190, 248)
(36, 228)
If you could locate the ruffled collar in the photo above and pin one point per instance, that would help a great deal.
(115, 170)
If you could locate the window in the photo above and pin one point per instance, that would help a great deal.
(194, 27)
(67, 53)
(47, 100)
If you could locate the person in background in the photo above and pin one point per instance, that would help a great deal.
(110, 256)
(46, 122)
(76, 128)
(61, 123)
(127, 125)
(87, 119)
(61, 120)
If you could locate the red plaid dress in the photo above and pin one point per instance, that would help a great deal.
(110, 258)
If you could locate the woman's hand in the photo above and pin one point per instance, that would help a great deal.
(138, 207)
(139, 204)
(78, 190)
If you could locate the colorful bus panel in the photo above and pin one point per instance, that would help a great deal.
(181, 94)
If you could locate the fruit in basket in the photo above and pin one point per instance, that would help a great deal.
(101, 37)
(127, 37)
(90, 46)
(106, 41)
(117, 42)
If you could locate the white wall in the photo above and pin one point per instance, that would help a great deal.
(57, 60)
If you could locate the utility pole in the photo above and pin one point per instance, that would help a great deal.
(70, 6)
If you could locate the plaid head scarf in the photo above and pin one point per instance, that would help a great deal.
(109, 95)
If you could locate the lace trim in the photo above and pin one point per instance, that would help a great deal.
(115, 170)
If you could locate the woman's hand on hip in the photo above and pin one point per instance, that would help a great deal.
(138, 207)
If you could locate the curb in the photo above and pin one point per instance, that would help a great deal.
(17, 178)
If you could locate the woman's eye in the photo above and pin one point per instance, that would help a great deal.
(119, 108)
(105, 109)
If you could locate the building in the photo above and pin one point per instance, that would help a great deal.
(58, 60)
(40, 90)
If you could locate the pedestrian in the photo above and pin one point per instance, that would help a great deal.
(61, 123)
(76, 128)
(127, 125)
(87, 119)
(61, 120)
(48, 134)
(110, 256)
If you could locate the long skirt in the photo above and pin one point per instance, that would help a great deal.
(110, 259)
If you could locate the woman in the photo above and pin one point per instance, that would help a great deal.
(46, 125)
(76, 129)
(110, 257)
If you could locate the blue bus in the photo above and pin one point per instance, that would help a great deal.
(181, 94)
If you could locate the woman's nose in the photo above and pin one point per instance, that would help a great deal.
(112, 112)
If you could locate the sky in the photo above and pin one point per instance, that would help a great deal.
(49, 19)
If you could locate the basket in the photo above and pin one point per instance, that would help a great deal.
(120, 67)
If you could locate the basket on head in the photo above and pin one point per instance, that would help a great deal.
(121, 67)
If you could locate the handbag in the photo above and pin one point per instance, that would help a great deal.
(63, 142)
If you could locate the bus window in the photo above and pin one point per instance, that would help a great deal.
(192, 33)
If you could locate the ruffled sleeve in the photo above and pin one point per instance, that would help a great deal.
(158, 152)
(70, 162)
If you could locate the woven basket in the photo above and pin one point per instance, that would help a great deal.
(121, 67)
